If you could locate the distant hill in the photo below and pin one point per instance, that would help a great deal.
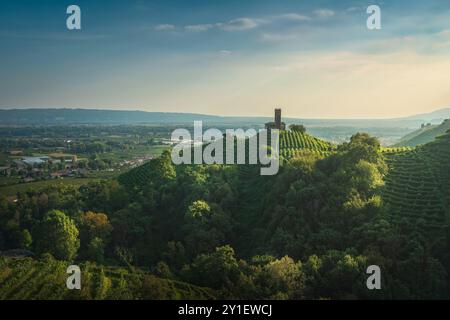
(424, 135)
(64, 116)
(435, 116)
(92, 116)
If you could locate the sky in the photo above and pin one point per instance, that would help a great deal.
(314, 59)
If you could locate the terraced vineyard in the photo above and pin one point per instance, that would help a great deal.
(136, 177)
(141, 175)
(396, 149)
(418, 186)
(293, 144)
(22, 279)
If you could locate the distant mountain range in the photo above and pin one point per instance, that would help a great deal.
(95, 116)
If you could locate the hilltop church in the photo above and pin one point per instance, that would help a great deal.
(277, 124)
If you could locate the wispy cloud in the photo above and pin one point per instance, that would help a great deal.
(324, 13)
(198, 27)
(353, 9)
(277, 37)
(240, 24)
(294, 17)
(225, 53)
(248, 23)
(164, 27)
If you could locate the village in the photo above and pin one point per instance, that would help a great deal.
(25, 169)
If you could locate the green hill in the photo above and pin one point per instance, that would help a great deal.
(24, 279)
(417, 186)
(424, 135)
(292, 144)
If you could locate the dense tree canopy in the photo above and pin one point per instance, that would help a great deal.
(310, 232)
(57, 234)
(297, 128)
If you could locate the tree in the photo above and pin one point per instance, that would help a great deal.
(367, 176)
(94, 225)
(95, 230)
(14, 237)
(153, 288)
(95, 250)
(283, 278)
(162, 169)
(27, 240)
(58, 235)
(297, 128)
(198, 209)
(216, 270)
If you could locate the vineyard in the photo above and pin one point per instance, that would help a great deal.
(136, 177)
(25, 279)
(418, 185)
(391, 150)
(294, 144)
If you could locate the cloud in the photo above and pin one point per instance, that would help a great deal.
(246, 23)
(444, 33)
(164, 27)
(426, 44)
(387, 85)
(324, 13)
(239, 24)
(294, 17)
(353, 9)
(277, 37)
(225, 53)
(198, 27)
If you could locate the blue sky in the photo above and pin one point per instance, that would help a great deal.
(313, 58)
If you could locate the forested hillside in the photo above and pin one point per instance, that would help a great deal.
(308, 232)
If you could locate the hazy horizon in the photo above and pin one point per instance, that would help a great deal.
(221, 115)
(230, 58)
